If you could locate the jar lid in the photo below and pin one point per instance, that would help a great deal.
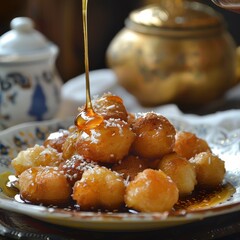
(23, 43)
(176, 14)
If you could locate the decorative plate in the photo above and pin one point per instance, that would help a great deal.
(223, 138)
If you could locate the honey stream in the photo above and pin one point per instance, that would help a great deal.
(87, 118)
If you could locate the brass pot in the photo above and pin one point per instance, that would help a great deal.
(174, 51)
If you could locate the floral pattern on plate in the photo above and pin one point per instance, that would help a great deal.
(22, 136)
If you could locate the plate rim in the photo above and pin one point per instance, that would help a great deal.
(87, 217)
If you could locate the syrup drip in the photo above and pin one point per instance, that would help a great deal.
(203, 198)
(87, 119)
(8, 184)
(199, 200)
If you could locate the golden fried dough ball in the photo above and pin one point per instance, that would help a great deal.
(99, 188)
(151, 191)
(109, 106)
(187, 144)
(109, 142)
(69, 146)
(56, 139)
(181, 171)
(210, 169)
(130, 166)
(46, 185)
(131, 118)
(36, 156)
(74, 167)
(155, 136)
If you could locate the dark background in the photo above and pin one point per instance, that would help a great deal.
(61, 22)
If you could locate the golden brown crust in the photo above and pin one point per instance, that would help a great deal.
(99, 188)
(74, 168)
(130, 166)
(187, 144)
(109, 106)
(56, 139)
(209, 168)
(107, 143)
(181, 171)
(155, 136)
(151, 191)
(36, 156)
(42, 185)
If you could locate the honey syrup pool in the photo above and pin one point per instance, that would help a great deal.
(200, 199)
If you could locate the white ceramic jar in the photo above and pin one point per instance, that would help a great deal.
(29, 82)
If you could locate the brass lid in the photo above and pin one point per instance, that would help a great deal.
(176, 14)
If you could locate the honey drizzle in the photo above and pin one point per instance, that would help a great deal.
(8, 184)
(87, 119)
(86, 59)
(203, 199)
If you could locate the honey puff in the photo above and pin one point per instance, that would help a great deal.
(44, 185)
(36, 156)
(151, 191)
(187, 144)
(130, 166)
(74, 168)
(109, 106)
(209, 168)
(109, 142)
(155, 136)
(181, 171)
(99, 188)
(57, 139)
